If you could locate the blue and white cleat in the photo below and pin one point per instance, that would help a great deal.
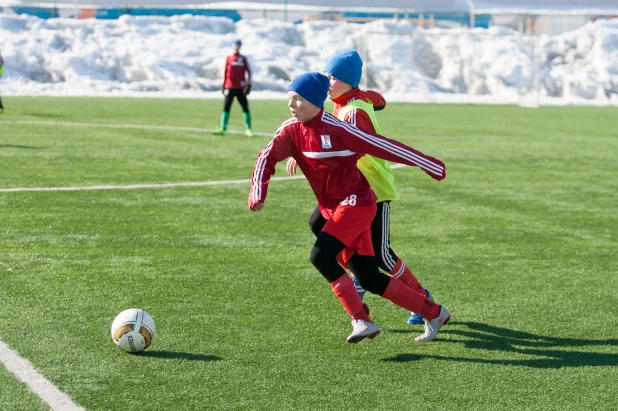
(417, 318)
(359, 289)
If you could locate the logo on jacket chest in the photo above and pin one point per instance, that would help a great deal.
(326, 141)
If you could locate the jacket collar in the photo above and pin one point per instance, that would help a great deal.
(314, 121)
(346, 97)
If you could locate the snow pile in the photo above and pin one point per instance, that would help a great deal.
(184, 56)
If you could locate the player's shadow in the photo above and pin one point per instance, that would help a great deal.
(44, 115)
(18, 146)
(173, 355)
(491, 338)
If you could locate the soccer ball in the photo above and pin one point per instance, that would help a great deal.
(133, 330)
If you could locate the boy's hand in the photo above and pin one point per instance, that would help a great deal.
(291, 166)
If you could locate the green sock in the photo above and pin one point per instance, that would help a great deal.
(225, 116)
(247, 117)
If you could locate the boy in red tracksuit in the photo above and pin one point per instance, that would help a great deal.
(236, 84)
(327, 151)
(358, 107)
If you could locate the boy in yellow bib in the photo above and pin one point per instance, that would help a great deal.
(358, 107)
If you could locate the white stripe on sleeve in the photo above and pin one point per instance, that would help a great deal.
(422, 162)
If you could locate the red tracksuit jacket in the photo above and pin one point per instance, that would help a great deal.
(236, 66)
(359, 118)
(326, 151)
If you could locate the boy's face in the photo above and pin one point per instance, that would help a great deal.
(301, 109)
(236, 48)
(337, 87)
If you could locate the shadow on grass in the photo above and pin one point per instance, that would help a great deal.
(18, 146)
(491, 338)
(44, 115)
(409, 331)
(171, 355)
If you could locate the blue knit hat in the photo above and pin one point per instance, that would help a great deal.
(346, 66)
(237, 41)
(311, 86)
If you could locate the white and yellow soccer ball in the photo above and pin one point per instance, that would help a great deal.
(133, 330)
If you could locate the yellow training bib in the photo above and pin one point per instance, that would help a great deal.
(376, 170)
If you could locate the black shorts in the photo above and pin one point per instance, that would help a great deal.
(380, 234)
(239, 93)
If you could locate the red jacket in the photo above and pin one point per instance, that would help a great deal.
(326, 151)
(359, 118)
(237, 72)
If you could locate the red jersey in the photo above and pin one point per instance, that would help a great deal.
(326, 151)
(237, 72)
(359, 118)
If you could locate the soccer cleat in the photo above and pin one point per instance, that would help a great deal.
(248, 132)
(417, 318)
(220, 132)
(433, 326)
(359, 289)
(366, 307)
(363, 329)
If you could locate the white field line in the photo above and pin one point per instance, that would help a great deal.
(134, 126)
(139, 186)
(41, 386)
(142, 186)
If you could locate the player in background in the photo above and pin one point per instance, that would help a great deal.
(358, 107)
(1, 73)
(326, 150)
(236, 84)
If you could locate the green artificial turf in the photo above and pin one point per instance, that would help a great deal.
(520, 242)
